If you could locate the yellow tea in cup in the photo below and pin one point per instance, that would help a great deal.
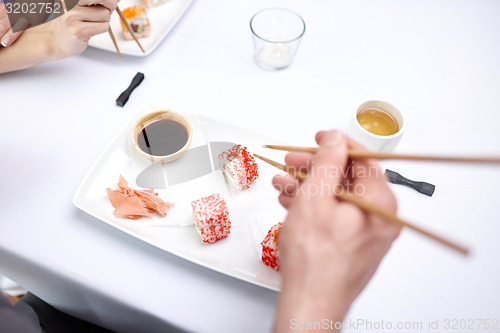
(377, 121)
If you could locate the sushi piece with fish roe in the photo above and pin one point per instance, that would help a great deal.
(211, 217)
(239, 166)
(138, 20)
(270, 250)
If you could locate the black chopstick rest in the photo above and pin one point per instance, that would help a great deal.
(422, 187)
(122, 100)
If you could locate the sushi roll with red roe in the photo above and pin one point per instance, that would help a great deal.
(270, 250)
(239, 166)
(211, 217)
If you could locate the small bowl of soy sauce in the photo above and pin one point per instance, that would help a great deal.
(162, 136)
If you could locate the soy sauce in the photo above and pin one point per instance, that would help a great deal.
(162, 137)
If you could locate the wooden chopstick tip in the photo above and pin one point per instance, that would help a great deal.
(112, 35)
(466, 252)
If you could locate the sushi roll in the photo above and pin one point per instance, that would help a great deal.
(153, 3)
(270, 250)
(211, 217)
(138, 20)
(239, 166)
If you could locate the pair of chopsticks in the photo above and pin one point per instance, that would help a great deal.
(369, 207)
(129, 28)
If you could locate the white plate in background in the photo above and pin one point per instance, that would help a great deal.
(162, 19)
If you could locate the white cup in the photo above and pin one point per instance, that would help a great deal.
(374, 141)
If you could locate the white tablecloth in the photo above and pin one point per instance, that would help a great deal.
(436, 60)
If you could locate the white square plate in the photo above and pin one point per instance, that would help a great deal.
(252, 211)
(162, 19)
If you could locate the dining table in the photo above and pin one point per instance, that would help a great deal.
(437, 61)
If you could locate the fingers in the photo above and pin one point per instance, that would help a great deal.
(109, 4)
(370, 181)
(90, 21)
(286, 184)
(319, 135)
(327, 169)
(95, 28)
(299, 161)
(10, 37)
(324, 168)
(93, 14)
(4, 20)
(285, 200)
(328, 164)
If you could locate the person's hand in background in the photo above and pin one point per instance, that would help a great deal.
(64, 36)
(72, 31)
(7, 37)
(329, 249)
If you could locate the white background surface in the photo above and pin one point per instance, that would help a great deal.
(437, 61)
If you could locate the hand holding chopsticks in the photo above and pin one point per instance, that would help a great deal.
(363, 204)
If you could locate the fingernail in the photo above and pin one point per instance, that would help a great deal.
(333, 139)
(5, 42)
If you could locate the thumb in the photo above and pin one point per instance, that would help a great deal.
(329, 162)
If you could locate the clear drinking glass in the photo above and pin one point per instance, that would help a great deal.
(276, 33)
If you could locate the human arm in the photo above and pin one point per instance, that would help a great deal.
(329, 249)
(7, 36)
(65, 36)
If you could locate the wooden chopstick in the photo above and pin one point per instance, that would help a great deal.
(359, 154)
(371, 208)
(129, 28)
(114, 41)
